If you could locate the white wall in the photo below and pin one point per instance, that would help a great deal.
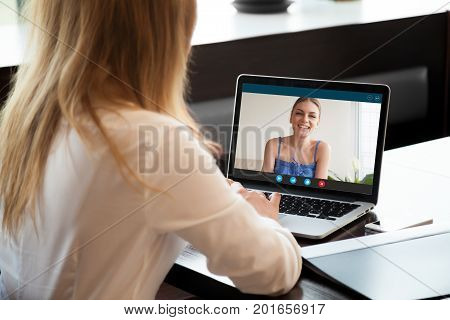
(267, 116)
(8, 16)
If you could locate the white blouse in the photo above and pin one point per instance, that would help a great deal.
(99, 236)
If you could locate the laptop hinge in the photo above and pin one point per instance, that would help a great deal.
(316, 195)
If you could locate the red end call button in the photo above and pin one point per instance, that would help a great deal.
(321, 183)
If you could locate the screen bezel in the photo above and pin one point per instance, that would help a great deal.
(313, 84)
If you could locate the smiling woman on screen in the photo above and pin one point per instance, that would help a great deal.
(298, 154)
(92, 205)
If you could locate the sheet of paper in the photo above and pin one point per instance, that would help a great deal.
(192, 259)
(341, 246)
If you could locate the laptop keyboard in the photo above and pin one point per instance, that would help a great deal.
(315, 208)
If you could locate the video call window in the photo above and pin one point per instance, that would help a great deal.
(308, 137)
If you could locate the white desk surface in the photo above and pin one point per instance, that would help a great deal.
(415, 180)
(218, 21)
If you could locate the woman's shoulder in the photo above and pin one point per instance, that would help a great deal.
(129, 118)
(133, 128)
(322, 146)
(272, 141)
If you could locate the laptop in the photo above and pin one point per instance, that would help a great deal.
(318, 143)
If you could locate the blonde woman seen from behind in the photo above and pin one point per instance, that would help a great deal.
(104, 175)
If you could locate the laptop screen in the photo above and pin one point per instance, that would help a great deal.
(317, 138)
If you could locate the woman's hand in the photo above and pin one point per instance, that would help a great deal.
(266, 208)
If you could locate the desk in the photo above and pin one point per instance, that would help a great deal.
(414, 181)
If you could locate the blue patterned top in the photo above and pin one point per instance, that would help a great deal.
(294, 168)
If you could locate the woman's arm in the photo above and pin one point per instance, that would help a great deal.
(269, 156)
(255, 252)
(323, 160)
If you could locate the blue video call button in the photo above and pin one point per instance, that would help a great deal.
(307, 182)
(293, 180)
(279, 178)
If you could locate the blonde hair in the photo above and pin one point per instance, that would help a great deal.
(78, 46)
(305, 99)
